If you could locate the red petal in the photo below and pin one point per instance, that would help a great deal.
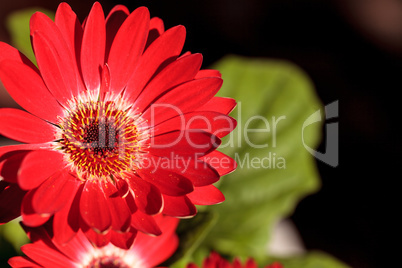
(120, 212)
(114, 20)
(168, 46)
(144, 223)
(127, 47)
(10, 201)
(219, 104)
(53, 194)
(208, 73)
(195, 170)
(251, 263)
(77, 248)
(105, 82)
(66, 220)
(148, 198)
(37, 166)
(220, 162)
(206, 195)
(178, 72)
(200, 173)
(273, 265)
(29, 217)
(24, 127)
(99, 240)
(39, 234)
(29, 168)
(216, 123)
(155, 250)
(55, 58)
(182, 99)
(168, 182)
(188, 53)
(70, 28)
(157, 24)
(47, 257)
(11, 53)
(178, 206)
(215, 259)
(237, 263)
(192, 143)
(22, 262)
(123, 240)
(6, 151)
(94, 207)
(131, 202)
(123, 188)
(93, 47)
(156, 29)
(9, 167)
(26, 87)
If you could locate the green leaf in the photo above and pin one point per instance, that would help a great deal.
(18, 27)
(313, 260)
(191, 233)
(274, 169)
(13, 234)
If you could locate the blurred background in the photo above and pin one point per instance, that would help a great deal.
(352, 50)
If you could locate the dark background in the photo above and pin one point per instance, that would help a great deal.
(352, 50)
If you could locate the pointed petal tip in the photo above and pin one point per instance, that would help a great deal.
(198, 56)
(157, 23)
(96, 4)
(35, 21)
(142, 9)
(94, 208)
(63, 5)
(119, 8)
(179, 30)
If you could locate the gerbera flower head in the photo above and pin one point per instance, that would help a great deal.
(214, 260)
(147, 251)
(118, 126)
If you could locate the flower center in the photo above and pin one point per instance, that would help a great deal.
(100, 139)
(107, 262)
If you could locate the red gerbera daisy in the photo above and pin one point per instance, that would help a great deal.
(216, 261)
(147, 251)
(118, 127)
